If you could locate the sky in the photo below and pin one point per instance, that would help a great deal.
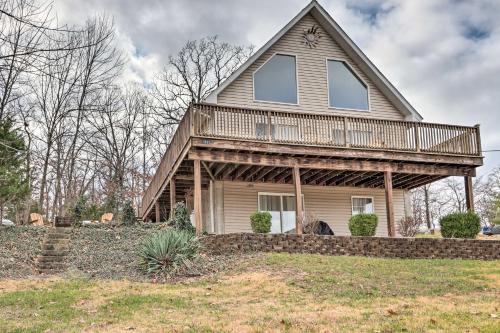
(442, 55)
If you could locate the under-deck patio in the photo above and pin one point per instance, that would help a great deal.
(214, 143)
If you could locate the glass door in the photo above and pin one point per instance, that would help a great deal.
(272, 204)
(282, 209)
(288, 213)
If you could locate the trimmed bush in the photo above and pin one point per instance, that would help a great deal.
(169, 251)
(363, 224)
(261, 222)
(460, 225)
(181, 219)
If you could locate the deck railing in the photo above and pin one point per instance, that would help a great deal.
(177, 143)
(213, 121)
(335, 131)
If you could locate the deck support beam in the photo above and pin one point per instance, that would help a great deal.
(173, 198)
(299, 210)
(197, 196)
(469, 196)
(327, 164)
(389, 203)
(157, 211)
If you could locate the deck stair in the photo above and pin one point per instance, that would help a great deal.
(55, 248)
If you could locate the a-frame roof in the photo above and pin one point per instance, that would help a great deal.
(346, 43)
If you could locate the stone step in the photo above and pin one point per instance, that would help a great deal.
(49, 271)
(56, 241)
(63, 229)
(58, 235)
(55, 247)
(45, 258)
(54, 252)
(51, 265)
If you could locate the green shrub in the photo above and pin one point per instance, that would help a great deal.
(460, 225)
(181, 219)
(363, 224)
(261, 222)
(128, 213)
(168, 251)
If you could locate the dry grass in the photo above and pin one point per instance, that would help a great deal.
(271, 293)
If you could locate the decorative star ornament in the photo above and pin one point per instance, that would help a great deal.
(311, 36)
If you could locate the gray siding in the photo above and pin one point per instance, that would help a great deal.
(330, 204)
(312, 78)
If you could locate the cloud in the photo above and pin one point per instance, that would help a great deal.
(443, 55)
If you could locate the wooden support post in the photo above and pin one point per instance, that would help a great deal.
(469, 196)
(197, 196)
(389, 204)
(299, 211)
(173, 199)
(157, 212)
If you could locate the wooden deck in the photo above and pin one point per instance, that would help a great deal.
(264, 145)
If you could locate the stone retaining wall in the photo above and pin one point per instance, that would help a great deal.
(411, 248)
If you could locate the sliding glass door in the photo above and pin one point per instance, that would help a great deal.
(282, 209)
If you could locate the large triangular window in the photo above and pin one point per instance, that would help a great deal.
(345, 89)
(276, 80)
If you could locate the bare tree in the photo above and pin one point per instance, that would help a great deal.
(100, 63)
(115, 139)
(190, 76)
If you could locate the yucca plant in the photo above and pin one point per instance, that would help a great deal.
(168, 251)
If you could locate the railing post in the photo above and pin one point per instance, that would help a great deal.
(191, 119)
(417, 136)
(346, 130)
(269, 126)
(478, 140)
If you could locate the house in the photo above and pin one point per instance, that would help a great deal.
(307, 126)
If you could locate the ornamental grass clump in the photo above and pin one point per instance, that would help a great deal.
(169, 251)
(460, 225)
(363, 224)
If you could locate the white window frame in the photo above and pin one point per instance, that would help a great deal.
(359, 77)
(361, 197)
(296, 79)
(281, 195)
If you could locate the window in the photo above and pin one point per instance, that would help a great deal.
(362, 205)
(276, 80)
(345, 89)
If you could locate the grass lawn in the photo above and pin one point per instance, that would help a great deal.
(271, 292)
